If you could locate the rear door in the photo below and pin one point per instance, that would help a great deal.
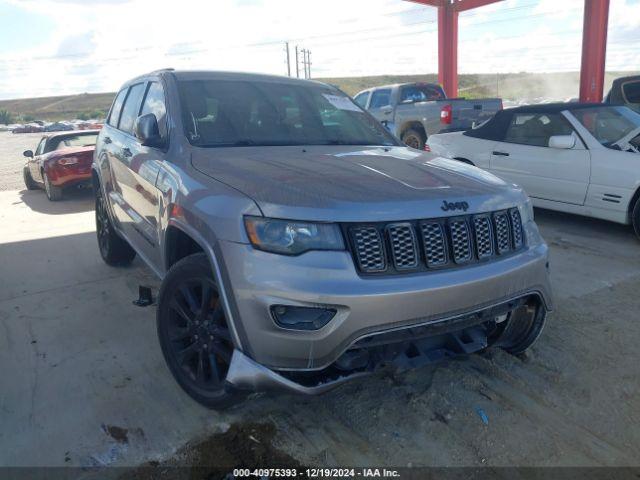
(524, 158)
(380, 105)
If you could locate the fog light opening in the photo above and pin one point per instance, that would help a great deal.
(301, 318)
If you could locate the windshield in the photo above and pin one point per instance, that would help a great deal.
(79, 140)
(220, 113)
(608, 124)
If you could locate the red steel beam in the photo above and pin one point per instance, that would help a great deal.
(448, 38)
(448, 49)
(594, 50)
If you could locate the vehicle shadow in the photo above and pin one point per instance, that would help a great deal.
(74, 201)
(586, 226)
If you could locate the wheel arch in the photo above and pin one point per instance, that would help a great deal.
(413, 125)
(179, 244)
(179, 231)
(632, 204)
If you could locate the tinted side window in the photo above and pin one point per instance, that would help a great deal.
(362, 99)
(420, 93)
(632, 92)
(535, 129)
(117, 106)
(380, 98)
(131, 108)
(154, 103)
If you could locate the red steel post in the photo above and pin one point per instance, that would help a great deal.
(594, 50)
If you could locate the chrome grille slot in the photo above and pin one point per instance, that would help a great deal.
(460, 240)
(404, 249)
(369, 249)
(435, 245)
(503, 235)
(516, 227)
(483, 236)
(438, 243)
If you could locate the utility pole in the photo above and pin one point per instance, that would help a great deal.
(309, 63)
(304, 62)
(286, 46)
(297, 63)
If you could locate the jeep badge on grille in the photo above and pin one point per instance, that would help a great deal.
(451, 206)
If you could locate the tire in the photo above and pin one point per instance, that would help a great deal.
(54, 193)
(414, 139)
(193, 332)
(28, 179)
(114, 250)
(521, 330)
(635, 218)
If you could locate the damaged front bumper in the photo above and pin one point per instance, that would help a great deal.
(513, 325)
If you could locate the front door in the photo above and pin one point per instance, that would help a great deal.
(525, 158)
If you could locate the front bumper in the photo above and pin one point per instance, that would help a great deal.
(364, 306)
(513, 325)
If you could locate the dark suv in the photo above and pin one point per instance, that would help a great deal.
(299, 243)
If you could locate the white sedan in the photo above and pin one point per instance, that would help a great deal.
(576, 158)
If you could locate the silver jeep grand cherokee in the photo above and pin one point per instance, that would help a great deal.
(299, 243)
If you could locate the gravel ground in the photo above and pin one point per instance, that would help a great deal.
(573, 400)
(11, 159)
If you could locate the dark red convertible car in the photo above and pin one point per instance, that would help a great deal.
(61, 160)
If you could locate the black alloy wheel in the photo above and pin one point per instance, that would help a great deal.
(193, 332)
(114, 250)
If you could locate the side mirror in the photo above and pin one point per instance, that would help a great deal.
(563, 142)
(28, 153)
(147, 132)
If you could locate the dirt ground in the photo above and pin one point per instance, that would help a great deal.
(573, 400)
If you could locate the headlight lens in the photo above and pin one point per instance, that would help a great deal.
(291, 237)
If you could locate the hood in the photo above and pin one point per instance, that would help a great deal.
(352, 184)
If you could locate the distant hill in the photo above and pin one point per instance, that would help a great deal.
(67, 107)
(523, 87)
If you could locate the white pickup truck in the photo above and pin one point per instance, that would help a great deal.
(415, 111)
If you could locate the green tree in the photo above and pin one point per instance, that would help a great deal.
(6, 117)
(28, 118)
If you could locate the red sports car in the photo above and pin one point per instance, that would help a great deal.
(61, 160)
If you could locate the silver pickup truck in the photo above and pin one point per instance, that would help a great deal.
(414, 111)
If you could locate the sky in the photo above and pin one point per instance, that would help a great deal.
(58, 47)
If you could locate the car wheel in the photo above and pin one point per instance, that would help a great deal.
(194, 334)
(114, 250)
(635, 220)
(521, 330)
(414, 139)
(28, 179)
(53, 193)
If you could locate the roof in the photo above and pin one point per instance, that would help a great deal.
(553, 107)
(399, 85)
(223, 75)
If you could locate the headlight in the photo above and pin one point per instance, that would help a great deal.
(291, 237)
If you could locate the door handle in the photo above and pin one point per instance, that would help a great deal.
(126, 152)
(107, 139)
(502, 154)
